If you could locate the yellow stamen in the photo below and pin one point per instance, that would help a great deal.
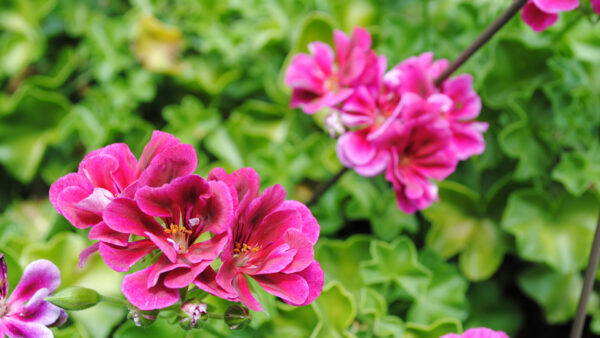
(243, 248)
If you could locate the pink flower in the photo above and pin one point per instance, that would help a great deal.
(419, 151)
(114, 171)
(481, 332)
(541, 14)
(25, 313)
(188, 207)
(325, 78)
(270, 241)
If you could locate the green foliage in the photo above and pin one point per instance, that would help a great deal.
(78, 75)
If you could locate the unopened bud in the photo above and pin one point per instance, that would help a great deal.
(237, 317)
(75, 298)
(142, 318)
(192, 315)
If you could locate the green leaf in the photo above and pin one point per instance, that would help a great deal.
(337, 310)
(388, 221)
(445, 295)
(340, 258)
(459, 227)
(518, 141)
(396, 263)
(578, 172)
(389, 326)
(492, 309)
(220, 143)
(434, 330)
(557, 293)
(558, 233)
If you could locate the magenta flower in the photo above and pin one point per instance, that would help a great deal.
(270, 241)
(481, 332)
(114, 171)
(325, 78)
(25, 313)
(541, 14)
(189, 208)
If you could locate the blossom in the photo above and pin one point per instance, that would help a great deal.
(194, 215)
(481, 332)
(325, 78)
(271, 241)
(541, 14)
(25, 313)
(114, 171)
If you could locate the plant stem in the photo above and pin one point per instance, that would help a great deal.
(588, 283)
(115, 300)
(325, 186)
(484, 37)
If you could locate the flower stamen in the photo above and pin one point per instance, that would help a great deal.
(243, 248)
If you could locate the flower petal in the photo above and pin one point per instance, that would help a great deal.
(137, 292)
(101, 232)
(122, 258)
(37, 275)
(315, 278)
(13, 327)
(537, 19)
(290, 287)
(177, 161)
(124, 215)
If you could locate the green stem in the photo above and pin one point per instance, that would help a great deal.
(115, 300)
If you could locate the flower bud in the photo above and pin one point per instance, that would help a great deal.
(142, 318)
(237, 317)
(192, 315)
(75, 298)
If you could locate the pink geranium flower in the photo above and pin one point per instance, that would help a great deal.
(481, 332)
(271, 241)
(189, 208)
(114, 171)
(325, 78)
(541, 14)
(25, 313)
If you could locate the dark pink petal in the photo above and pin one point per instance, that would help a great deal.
(13, 327)
(111, 168)
(218, 213)
(207, 250)
(62, 318)
(226, 275)
(165, 244)
(556, 6)
(467, 104)
(136, 291)
(480, 332)
(184, 276)
(101, 232)
(122, 258)
(315, 278)
(274, 226)
(125, 173)
(356, 148)
(87, 252)
(537, 19)
(596, 6)
(124, 215)
(323, 56)
(155, 201)
(65, 182)
(3, 277)
(270, 199)
(159, 142)
(37, 275)
(304, 256)
(468, 138)
(241, 286)
(245, 183)
(158, 269)
(66, 202)
(186, 190)
(375, 167)
(290, 287)
(310, 226)
(275, 261)
(207, 281)
(177, 161)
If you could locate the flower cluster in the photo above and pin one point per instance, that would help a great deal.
(26, 313)
(541, 14)
(156, 206)
(397, 122)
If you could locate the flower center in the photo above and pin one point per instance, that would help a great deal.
(3, 307)
(179, 235)
(243, 248)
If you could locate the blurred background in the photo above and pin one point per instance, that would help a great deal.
(505, 247)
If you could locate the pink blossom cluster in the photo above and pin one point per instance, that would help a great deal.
(541, 14)
(155, 207)
(397, 122)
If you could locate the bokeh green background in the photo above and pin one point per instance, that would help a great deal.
(505, 247)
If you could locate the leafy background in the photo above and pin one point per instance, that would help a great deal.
(505, 247)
